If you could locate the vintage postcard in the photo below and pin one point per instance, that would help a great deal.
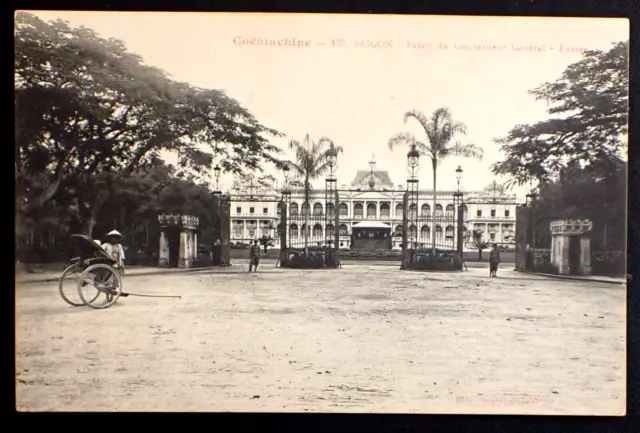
(251, 212)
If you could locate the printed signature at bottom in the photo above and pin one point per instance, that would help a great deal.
(504, 399)
(499, 399)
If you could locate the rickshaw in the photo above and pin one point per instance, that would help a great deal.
(95, 276)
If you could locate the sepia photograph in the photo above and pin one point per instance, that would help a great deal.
(320, 213)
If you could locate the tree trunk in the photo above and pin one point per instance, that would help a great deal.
(479, 255)
(88, 223)
(88, 220)
(434, 163)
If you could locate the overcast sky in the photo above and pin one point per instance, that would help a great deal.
(357, 96)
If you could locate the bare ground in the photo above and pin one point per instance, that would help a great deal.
(362, 339)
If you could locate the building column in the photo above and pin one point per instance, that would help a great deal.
(585, 255)
(163, 250)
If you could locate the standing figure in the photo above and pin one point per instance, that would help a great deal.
(114, 248)
(254, 256)
(494, 260)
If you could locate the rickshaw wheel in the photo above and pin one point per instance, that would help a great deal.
(105, 280)
(72, 272)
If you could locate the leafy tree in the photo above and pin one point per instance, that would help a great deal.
(311, 162)
(594, 192)
(441, 131)
(588, 108)
(87, 108)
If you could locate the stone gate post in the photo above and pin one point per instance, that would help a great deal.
(188, 249)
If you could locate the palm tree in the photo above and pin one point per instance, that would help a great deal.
(440, 130)
(311, 163)
(479, 243)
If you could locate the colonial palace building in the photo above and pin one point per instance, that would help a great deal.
(373, 197)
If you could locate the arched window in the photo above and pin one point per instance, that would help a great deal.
(344, 209)
(448, 232)
(438, 210)
(330, 209)
(425, 232)
(294, 209)
(317, 209)
(425, 210)
(344, 231)
(305, 208)
(371, 211)
(317, 231)
(399, 211)
(413, 232)
(450, 210)
(329, 229)
(293, 230)
(399, 230)
(438, 232)
(413, 209)
(358, 210)
(385, 212)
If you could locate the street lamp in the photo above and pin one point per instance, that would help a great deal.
(458, 205)
(285, 171)
(216, 173)
(458, 177)
(331, 195)
(332, 158)
(413, 158)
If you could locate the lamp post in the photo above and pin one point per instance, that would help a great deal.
(530, 203)
(284, 225)
(331, 199)
(413, 159)
(459, 206)
(216, 173)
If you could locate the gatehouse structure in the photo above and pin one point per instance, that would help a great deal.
(178, 240)
(571, 246)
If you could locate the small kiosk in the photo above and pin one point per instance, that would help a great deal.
(371, 236)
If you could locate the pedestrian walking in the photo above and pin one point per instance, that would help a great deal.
(494, 261)
(254, 256)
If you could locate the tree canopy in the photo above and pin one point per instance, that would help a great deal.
(311, 161)
(440, 132)
(88, 109)
(588, 109)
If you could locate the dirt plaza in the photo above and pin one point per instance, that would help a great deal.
(366, 338)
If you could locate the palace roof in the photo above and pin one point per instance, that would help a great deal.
(380, 177)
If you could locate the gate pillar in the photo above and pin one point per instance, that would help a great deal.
(163, 251)
(282, 231)
(188, 250)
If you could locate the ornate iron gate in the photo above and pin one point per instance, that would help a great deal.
(420, 222)
(309, 235)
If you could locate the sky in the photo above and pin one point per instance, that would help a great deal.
(480, 68)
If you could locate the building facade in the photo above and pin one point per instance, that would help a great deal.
(372, 196)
